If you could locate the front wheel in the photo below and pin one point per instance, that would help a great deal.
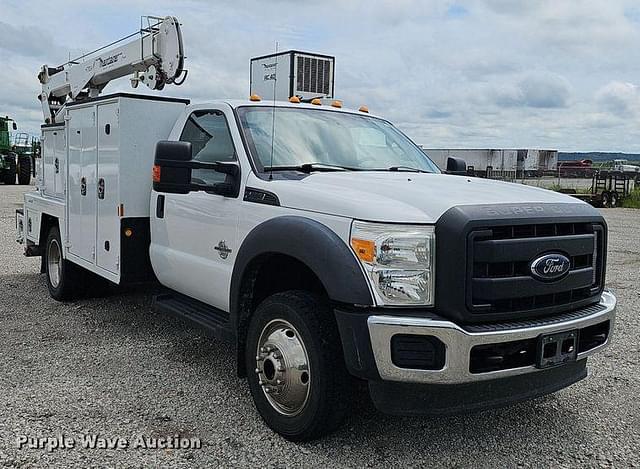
(605, 199)
(295, 366)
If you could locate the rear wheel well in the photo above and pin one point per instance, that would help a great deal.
(266, 275)
(46, 223)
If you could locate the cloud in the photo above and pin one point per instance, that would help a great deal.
(539, 90)
(23, 40)
(450, 73)
(619, 98)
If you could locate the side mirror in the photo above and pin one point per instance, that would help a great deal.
(15, 126)
(456, 166)
(171, 169)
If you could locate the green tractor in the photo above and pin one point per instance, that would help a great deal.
(28, 149)
(16, 158)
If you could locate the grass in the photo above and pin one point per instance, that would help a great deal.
(633, 201)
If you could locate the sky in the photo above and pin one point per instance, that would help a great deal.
(555, 74)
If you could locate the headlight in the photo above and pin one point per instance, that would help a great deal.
(399, 260)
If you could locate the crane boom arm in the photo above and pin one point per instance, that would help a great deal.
(154, 56)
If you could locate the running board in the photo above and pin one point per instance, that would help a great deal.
(213, 319)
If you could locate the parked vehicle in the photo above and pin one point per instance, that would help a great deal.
(320, 242)
(576, 168)
(27, 149)
(622, 166)
(13, 160)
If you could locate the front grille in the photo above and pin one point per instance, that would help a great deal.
(499, 265)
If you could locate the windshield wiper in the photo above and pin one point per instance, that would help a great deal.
(309, 167)
(408, 169)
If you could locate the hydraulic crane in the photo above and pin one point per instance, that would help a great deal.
(154, 55)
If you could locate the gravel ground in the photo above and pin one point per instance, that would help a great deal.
(112, 366)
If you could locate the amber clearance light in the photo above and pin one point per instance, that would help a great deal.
(156, 173)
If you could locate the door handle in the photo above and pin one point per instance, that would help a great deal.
(56, 165)
(160, 206)
(83, 186)
(101, 188)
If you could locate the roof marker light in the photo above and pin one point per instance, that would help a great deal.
(363, 109)
(337, 103)
(294, 99)
(255, 97)
(316, 101)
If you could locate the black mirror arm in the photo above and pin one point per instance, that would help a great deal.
(220, 188)
(231, 169)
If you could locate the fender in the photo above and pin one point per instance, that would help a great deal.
(313, 244)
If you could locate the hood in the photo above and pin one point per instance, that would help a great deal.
(400, 197)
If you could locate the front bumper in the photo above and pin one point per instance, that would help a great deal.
(459, 341)
(366, 339)
(456, 386)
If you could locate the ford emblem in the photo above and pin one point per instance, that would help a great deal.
(550, 267)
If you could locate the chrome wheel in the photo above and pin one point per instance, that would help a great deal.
(282, 366)
(54, 263)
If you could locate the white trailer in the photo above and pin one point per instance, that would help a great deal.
(502, 163)
(480, 161)
(292, 73)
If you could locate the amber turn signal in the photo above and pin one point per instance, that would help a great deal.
(365, 249)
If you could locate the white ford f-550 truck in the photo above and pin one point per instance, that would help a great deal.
(327, 248)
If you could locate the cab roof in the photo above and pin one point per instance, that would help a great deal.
(236, 103)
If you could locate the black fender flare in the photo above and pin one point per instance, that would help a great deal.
(313, 244)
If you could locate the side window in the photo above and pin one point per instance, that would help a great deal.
(210, 139)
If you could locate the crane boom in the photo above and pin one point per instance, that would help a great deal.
(154, 55)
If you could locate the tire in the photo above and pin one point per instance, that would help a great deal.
(310, 399)
(24, 170)
(63, 279)
(613, 200)
(9, 177)
(605, 198)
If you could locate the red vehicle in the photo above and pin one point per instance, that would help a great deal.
(576, 168)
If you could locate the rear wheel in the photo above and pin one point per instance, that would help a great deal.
(63, 280)
(9, 176)
(613, 200)
(606, 198)
(24, 170)
(295, 366)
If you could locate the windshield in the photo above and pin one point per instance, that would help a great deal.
(335, 139)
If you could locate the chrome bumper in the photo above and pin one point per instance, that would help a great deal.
(459, 342)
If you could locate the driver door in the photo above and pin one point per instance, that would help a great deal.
(199, 229)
